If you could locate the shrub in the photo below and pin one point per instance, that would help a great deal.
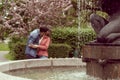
(59, 50)
(70, 36)
(19, 51)
(17, 47)
(55, 51)
(15, 40)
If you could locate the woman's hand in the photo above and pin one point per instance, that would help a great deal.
(33, 46)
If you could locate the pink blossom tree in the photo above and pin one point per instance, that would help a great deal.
(22, 16)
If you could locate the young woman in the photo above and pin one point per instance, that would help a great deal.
(44, 43)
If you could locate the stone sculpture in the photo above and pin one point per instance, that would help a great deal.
(108, 31)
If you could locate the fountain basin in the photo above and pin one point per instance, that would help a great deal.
(35, 63)
(103, 60)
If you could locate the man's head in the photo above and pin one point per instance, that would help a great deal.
(43, 30)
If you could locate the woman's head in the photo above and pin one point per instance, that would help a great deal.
(48, 33)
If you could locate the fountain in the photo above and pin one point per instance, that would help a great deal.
(102, 55)
(75, 69)
(103, 60)
(45, 69)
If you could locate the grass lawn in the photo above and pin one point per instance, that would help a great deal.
(4, 47)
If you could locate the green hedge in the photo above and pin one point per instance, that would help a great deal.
(15, 40)
(19, 51)
(17, 48)
(55, 50)
(70, 36)
(59, 50)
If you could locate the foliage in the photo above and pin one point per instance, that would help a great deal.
(55, 50)
(59, 50)
(22, 16)
(4, 33)
(19, 51)
(15, 40)
(17, 47)
(70, 36)
(4, 47)
(103, 14)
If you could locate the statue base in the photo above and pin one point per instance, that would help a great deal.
(103, 60)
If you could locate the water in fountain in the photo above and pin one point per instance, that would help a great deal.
(79, 22)
(56, 73)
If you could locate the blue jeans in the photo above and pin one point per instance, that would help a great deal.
(30, 57)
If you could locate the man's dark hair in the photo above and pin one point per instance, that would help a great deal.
(43, 29)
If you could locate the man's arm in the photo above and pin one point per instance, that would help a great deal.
(31, 40)
(33, 36)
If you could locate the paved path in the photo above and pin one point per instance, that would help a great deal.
(2, 56)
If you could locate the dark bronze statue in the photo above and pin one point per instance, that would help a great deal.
(108, 31)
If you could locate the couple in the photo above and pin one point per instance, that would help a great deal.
(38, 43)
